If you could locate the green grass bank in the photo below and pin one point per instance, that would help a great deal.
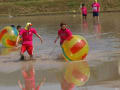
(45, 7)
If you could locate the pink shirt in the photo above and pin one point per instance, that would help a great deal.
(84, 10)
(64, 34)
(27, 36)
(96, 7)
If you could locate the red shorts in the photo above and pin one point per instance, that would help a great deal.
(29, 49)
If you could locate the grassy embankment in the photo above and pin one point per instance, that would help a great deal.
(46, 7)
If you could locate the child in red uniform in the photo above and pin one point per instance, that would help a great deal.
(84, 11)
(63, 33)
(96, 9)
(27, 37)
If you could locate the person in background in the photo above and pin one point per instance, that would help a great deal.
(96, 9)
(18, 28)
(84, 11)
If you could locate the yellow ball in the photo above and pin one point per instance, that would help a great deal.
(75, 48)
(77, 73)
(8, 36)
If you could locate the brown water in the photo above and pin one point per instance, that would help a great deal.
(101, 69)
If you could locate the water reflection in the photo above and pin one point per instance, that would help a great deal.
(6, 51)
(97, 28)
(69, 76)
(75, 74)
(28, 74)
(104, 73)
(85, 26)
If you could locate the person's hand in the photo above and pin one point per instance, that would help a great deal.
(55, 41)
(42, 82)
(16, 44)
(44, 79)
(19, 83)
(41, 40)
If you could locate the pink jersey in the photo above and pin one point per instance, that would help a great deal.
(84, 10)
(96, 7)
(64, 34)
(27, 36)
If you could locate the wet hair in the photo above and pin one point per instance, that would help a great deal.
(12, 25)
(83, 4)
(61, 24)
(18, 26)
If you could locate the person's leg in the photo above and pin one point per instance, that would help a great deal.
(94, 14)
(97, 17)
(85, 17)
(30, 51)
(23, 49)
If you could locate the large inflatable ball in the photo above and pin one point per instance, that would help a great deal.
(77, 73)
(8, 36)
(75, 48)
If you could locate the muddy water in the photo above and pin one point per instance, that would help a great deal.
(100, 70)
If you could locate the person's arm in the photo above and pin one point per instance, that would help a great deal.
(17, 41)
(80, 6)
(99, 7)
(92, 7)
(86, 9)
(42, 83)
(18, 37)
(20, 85)
(56, 39)
(35, 32)
(69, 32)
(39, 36)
